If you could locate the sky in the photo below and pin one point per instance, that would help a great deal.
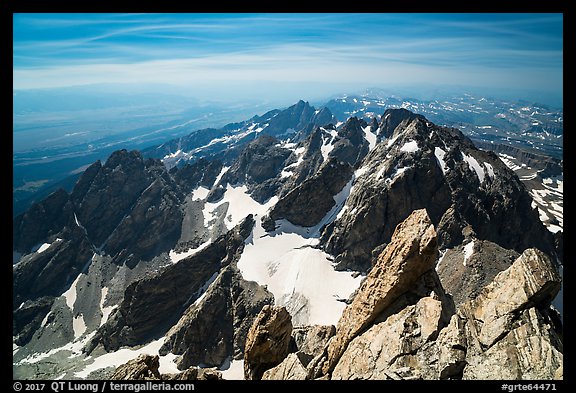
(290, 55)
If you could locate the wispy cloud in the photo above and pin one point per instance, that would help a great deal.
(61, 50)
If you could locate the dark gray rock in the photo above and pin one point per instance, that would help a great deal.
(27, 319)
(84, 182)
(308, 203)
(312, 159)
(392, 118)
(216, 194)
(51, 272)
(113, 190)
(259, 163)
(202, 173)
(44, 219)
(464, 281)
(54, 330)
(351, 147)
(323, 117)
(214, 328)
(152, 304)
(153, 225)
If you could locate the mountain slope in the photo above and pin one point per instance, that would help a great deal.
(176, 257)
(420, 165)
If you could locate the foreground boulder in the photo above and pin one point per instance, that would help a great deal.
(510, 323)
(145, 367)
(142, 368)
(267, 342)
(508, 331)
(411, 252)
(308, 343)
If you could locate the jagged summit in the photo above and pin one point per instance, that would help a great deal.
(226, 143)
(392, 119)
(421, 165)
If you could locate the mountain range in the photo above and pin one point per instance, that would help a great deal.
(59, 151)
(295, 245)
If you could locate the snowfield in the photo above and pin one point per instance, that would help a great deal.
(115, 359)
(200, 193)
(301, 277)
(233, 370)
(239, 205)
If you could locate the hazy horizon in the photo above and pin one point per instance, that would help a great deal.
(281, 58)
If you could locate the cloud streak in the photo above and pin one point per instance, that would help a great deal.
(199, 49)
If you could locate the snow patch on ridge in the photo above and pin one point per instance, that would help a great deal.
(176, 257)
(391, 140)
(440, 154)
(239, 205)
(410, 147)
(43, 247)
(105, 310)
(490, 170)
(474, 166)
(327, 142)
(370, 137)
(201, 293)
(70, 294)
(78, 325)
(509, 161)
(468, 251)
(222, 172)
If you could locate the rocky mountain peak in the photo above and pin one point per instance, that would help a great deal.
(124, 159)
(42, 220)
(392, 119)
(422, 165)
(291, 119)
(353, 130)
(323, 116)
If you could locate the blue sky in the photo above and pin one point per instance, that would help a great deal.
(279, 54)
